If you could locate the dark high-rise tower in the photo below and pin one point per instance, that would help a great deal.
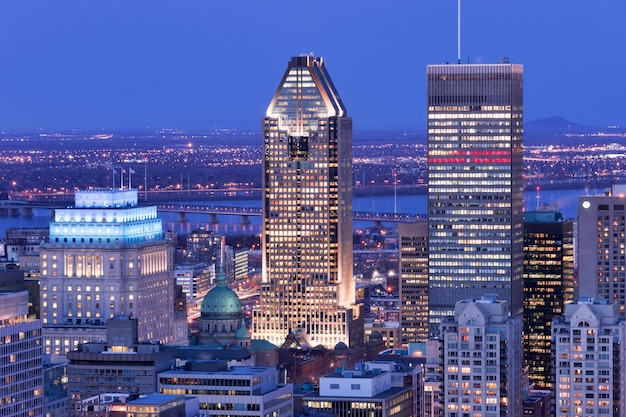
(548, 286)
(475, 188)
(307, 283)
(413, 239)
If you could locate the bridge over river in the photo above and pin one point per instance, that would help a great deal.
(27, 208)
(246, 212)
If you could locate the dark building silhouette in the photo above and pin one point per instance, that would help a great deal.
(414, 281)
(548, 286)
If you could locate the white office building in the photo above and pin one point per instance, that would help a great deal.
(433, 375)
(225, 391)
(367, 391)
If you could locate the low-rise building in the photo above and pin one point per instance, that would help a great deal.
(132, 405)
(362, 392)
(225, 391)
(24, 242)
(390, 331)
(537, 403)
(120, 365)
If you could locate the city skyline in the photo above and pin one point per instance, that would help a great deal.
(118, 65)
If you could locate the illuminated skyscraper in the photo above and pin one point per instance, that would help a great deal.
(307, 282)
(475, 188)
(548, 286)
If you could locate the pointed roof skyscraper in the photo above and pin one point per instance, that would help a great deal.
(305, 94)
(307, 227)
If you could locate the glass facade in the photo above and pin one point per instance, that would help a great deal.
(475, 187)
(414, 281)
(21, 367)
(307, 224)
(548, 286)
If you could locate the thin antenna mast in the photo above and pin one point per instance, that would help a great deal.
(458, 41)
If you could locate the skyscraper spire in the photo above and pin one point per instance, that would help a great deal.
(458, 32)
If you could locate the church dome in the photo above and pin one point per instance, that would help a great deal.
(221, 302)
(341, 346)
(243, 332)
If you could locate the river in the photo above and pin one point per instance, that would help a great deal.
(567, 200)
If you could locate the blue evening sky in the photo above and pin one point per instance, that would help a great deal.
(154, 63)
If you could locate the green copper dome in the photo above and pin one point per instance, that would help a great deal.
(221, 302)
(243, 332)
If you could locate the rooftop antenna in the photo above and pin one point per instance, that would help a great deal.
(458, 32)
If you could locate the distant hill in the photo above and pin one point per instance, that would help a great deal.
(559, 131)
(555, 124)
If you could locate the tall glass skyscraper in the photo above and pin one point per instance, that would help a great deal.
(475, 187)
(307, 287)
(548, 286)
(413, 238)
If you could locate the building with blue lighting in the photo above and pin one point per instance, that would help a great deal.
(107, 257)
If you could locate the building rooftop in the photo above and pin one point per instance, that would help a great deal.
(234, 371)
(390, 393)
(340, 373)
(307, 75)
(156, 399)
